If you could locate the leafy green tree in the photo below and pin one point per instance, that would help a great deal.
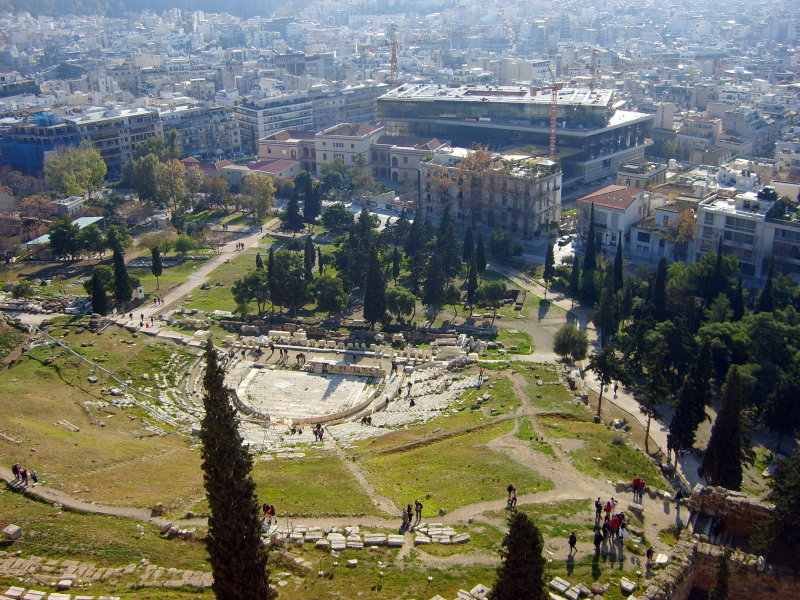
(312, 200)
(216, 193)
(655, 386)
(75, 170)
(468, 247)
(781, 412)
(163, 148)
(778, 536)
(434, 285)
(400, 302)
(289, 287)
(254, 286)
(737, 303)
(361, 178)
(690, 408)
(571, 342)
(337, 217)
(728, 448)
(374, 291)
(309, 255)
(607, 367)
(605, 317)
(503, 247)
(141, 174)
(719, 311)
(480, 255)
(91, 240)
(452, 297)
(660, 291)
(327, 289)
(156, 266)
(261, 188)
(237, 555)
(396, 259)
(184, 244)
(521, 574)
(492, 293)
(447, 245)
(259, 261)
(549, 267)
(64, 238)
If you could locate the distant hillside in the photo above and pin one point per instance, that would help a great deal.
(117, 7)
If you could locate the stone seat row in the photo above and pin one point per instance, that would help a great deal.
(479, 592)
(19, 593)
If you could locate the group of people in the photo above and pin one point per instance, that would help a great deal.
(319, 432)
(269, 513)
(21, 474)
(239, 247)
(295, 430)
(638, 489)
(366, 420)
(614, 524)
(410, 515)
(158, 300)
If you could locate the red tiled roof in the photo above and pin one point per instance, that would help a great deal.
(617, 197)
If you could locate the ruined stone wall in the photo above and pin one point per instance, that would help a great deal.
(696, 564)
(739, 512)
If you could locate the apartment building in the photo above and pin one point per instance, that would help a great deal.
(642, 174)
(514, 194)
(204, 130)
(344, 142)
(617, 209)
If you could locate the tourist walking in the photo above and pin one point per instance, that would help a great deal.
(572, 541)
(649, 555)
(512, 496)
(34, 477)
(23, 473)
(598, 539)
(418, 510)
(598, 509)
(15, 471)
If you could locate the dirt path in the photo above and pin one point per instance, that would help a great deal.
(381, 502)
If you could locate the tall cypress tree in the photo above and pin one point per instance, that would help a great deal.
(396, 258)
(737, 303)
(155, 264)
(480, 255)
(619, 266)
(575, 278)
(122, 282)
(549, 267)
(237, 556)
(469, 245)
(660, 291)
(590, 258)
(520, 575)
(291, 218)
(715, 285)
(447, 245)
(308, 259)
(99, 297)
(374, 291)
(728, 449)
(472, 282)
(320, 264)
(272, 280)
(259, 261)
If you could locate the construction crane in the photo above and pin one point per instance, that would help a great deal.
(394, 45)
(593, 70)
(554, 87)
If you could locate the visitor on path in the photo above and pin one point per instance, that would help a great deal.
(512, 496)
(598, 539)
(23, 473)
(418, 510)
(606, 531)
(34, 477)
(623, 533)
(615, 389)
(598, 509)
(649, 555)
(609, 508)
(572, 541)
(404, 526)
(410, 512)
(638, 489)
(614, 524)
(15, 471)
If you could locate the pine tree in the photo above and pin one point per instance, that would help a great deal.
(374, 291)
(766, 301)
(308, 259)
(737, 304)
(237, 555)
(395, 264)
(480, 255)
(549, 267)
(605, 317)
(693, 397)
(156, 267)
(607, 367)
(416, 237)
(447, 245)
(122, 283)
(312, 202)
(778, 536)
(728, 449)
(660, 291)
(99, 297)
(434, 286)
(469, 246)
(259, 261)
(619, 266)
(590, 257)
(521, 573)
(589, 287)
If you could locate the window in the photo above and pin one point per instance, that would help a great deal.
(351, 145)
(642, 236)
(708, 232)
(405, 160)
(324, 156)
(708, 219)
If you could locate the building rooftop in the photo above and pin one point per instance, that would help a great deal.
(506, 93)
(106, 114)
(617, 197)
(350, 130)
(410, 142)
(290, 135)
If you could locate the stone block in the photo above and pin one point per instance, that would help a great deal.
(352, 563)
(628, 586)
(375, 539)
(599, 588)
(461, 538)
(12, 532)
(583, 589)
(59, 596)
(480, 591)
(573, 593)
(84, 598)
(559, 585)
(421, 540)
(34, 595)
(554, 596)
(14, 592)
(64, 584)
(395, 540)
(338, 545)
